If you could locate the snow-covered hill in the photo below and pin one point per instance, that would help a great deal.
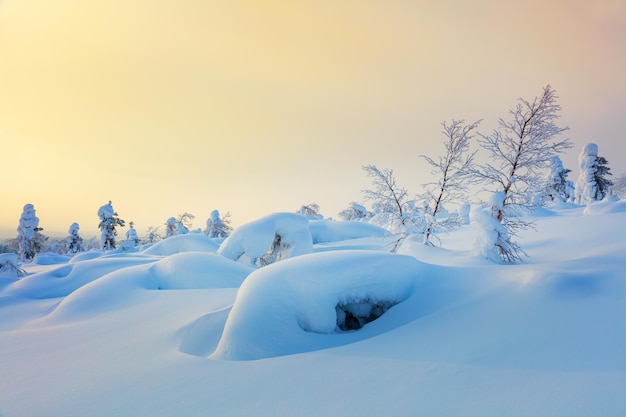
(177, 329)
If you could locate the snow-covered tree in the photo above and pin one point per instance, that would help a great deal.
(558, 187)
(619, 186)
(171, 227)
(493, 241)
(217, 226)
(9, 266)
(178, 225)
(355, 211)
(109, 221)
(311, 211)
(392, 207)
(29, 239)
(131, 235)
(453, 172)
(74, 242)
(152, 235)
(519, 151)
(592, 184)
(602, 171)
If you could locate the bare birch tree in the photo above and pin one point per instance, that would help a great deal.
(519, 151)
(391, 200)
(454, 174)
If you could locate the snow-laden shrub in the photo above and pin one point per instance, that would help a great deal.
(29, 239)
(9, 266)
(293, 306)
(269, 239)
(492, 238)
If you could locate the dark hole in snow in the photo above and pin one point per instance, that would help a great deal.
(354, 315)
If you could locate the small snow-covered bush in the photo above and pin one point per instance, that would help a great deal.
(9, 266)
(493, 241)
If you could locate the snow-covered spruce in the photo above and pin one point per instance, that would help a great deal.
(269, 239)
(592, 184)
(217, 226)
(109, 221)
(29, 239)
(9, 266)
(558, 187)
(292, 306)
(492, 237)
(74, 240)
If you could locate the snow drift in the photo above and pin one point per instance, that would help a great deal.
(292, 306)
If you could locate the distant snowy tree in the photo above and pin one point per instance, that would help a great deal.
(152, 235)
(131, 235)
(9, 266)
(217, 226)
(29, 239)
(619, 186)
(74, 242)
(355, 211)
(109, 221)
(311, 211)
(179, 225)
(171, 227)
(453, 172)
(185, 220)
(393, 209)
(592, 184)
(519, 151)
(558, 187)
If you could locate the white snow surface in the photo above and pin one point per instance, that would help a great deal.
(325, 231)
(131, 334)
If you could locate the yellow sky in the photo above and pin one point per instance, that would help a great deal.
(255, 107)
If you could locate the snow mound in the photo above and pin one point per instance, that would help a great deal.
(324, 231)
(274, 237)
(610, 204)
(87, 256)
(118, 289)
(190, 242)
(50, 259)
(296, 305)
(63, 280)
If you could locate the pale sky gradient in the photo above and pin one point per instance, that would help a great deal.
(255, 107)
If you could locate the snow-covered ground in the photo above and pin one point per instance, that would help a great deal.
(178, 329)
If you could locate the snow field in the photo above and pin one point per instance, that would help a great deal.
(190, 332)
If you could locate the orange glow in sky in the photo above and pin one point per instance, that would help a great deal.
(256, 107)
